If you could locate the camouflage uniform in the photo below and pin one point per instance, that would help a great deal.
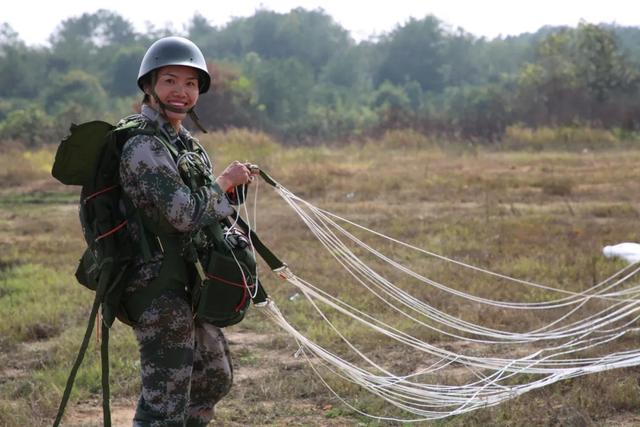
(185, 364)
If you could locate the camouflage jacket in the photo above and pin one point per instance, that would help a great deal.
(150, 178)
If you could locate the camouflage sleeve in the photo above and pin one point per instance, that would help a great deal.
(150, 177)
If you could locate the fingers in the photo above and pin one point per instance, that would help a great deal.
(241, 173)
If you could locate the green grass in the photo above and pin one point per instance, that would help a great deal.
(38, 198)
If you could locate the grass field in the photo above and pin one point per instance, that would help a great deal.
(539, 215)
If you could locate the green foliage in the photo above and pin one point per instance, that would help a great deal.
(477, 111)
(600, 65)
(121, 70)
(75, 87)
(577, 75)
(414, 51)
(22, 70)
(301, 76)
(30, 125)
(283, 88)
(231, 100)
(389, 96)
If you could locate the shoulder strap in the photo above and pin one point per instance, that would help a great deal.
(130, 127)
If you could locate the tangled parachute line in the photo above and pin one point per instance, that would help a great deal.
(568, 345)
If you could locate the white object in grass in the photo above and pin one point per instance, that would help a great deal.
(630, 252)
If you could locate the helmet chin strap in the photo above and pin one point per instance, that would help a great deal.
(166, 107)
(196, 120)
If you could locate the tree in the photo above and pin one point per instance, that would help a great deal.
(283, 88)
(231, 100)
(477, 111)
(414, 51)
(348, 68)
(22, 69)
(599, 63)
(393, 106)
(76, 87)
(121, 71)
(460, 64)
(79, 42)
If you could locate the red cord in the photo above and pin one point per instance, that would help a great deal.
(113, 230)
(238, 285)
(97, 193)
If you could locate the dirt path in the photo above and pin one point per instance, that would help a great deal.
(89, 414)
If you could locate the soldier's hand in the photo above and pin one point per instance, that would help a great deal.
(235, 174)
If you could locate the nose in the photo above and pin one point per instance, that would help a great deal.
(180, 89)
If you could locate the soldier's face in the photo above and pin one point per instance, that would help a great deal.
(177, 86)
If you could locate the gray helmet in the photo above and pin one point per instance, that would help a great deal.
(174, 51)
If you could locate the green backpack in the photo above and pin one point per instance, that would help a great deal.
(90, 157)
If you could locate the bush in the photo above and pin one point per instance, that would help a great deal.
(406, 138)
(32, 126)
(563, 138)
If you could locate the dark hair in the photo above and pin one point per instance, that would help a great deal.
(144, 81)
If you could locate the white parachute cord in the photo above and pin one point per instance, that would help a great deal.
(253, 226)
(426, 280)
(494, 397)
(318, 211)
(256, 282)
(333, 252)
(613, 285)
(287, 194)
(387, 330)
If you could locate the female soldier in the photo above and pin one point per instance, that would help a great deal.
(185, 364)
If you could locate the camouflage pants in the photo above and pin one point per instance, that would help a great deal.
(185, 365)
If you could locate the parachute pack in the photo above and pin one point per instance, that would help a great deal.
(90, 157)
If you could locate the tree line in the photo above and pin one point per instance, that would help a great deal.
(302, 77)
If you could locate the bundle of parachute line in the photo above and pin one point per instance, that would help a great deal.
(473, 366)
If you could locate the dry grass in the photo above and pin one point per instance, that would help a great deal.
(542, 217)
(564, 138)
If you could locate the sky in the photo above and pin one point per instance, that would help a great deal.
(35, 21)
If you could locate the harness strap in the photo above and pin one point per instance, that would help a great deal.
(78, 361)
(268, 179)
(104, 359)
(269, 257)
(102, 286)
